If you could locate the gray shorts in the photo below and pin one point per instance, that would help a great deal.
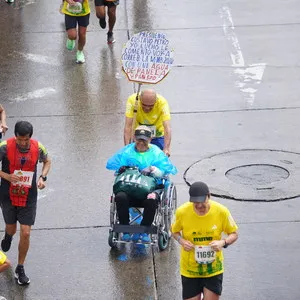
(106, 3)
(12, 214)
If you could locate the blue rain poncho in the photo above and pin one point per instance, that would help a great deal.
(128, 156)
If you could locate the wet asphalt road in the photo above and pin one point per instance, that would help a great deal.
(235, 85)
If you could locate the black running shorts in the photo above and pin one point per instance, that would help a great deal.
(192, 287)
(12, 214)
(106, 3)
(71, 21)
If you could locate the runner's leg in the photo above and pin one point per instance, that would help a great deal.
(11, 229)
(83, 23)
(24, 243)
(111, 17)
(71, 24)
(100, 12)
(82, 37)
(209, 295)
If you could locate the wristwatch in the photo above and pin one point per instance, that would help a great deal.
(43, 177)
(225, 245)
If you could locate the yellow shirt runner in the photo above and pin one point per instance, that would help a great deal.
(2, 258)
(201, 230)
(82, 8)
(154, 119)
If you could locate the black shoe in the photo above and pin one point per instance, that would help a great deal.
(6, 242)
(102, 23)
(110, 38)
(21, 276)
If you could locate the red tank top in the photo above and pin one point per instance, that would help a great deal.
(21, 161)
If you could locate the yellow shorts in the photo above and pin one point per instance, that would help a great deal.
(2, 258)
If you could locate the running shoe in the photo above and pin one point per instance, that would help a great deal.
(136, 237)
(80, 57)
(70, 44)
(21, 276)
(6, 242)
(110, 38)
(102, 23)
(126, 237)
(145, 238)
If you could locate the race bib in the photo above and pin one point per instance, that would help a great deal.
(204, 254)
(153, 130)
(76, 8)
(25, 177)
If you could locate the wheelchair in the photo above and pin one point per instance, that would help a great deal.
(159, 231)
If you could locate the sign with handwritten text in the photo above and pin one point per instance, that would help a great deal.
(147, 58)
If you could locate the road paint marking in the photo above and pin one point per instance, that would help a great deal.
(40, 93)
(249, 77)
(40, 59)
(252, 76)
(229, 31)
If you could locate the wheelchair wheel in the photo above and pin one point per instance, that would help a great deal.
(113, 214)
(163, 240)
(174, 199)
(111, 236)
(171, 207)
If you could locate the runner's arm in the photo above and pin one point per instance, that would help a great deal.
(45, 170)
(217, 245)
(231, 238)
(6, 176)
(167, 130)
(128, 130)
(187, 245)
(3, 119)
(46, 166)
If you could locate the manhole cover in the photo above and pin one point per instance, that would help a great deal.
(249, 175)
(257, 174)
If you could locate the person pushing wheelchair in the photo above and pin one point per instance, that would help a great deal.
(132, 188)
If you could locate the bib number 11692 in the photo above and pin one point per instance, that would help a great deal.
(204, 254)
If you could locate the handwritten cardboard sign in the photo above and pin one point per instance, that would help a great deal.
(147, 58)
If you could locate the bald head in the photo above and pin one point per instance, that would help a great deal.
(148, 99)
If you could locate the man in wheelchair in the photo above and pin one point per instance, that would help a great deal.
(140, 167)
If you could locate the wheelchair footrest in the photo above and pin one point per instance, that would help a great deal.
(135, 228)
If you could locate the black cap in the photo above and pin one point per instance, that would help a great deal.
(198, 191)
(142, 132)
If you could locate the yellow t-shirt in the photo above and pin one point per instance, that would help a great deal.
(84, 11)
(154, 119)
(2, 258)
(201, 230)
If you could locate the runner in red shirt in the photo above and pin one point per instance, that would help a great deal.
(18, 190)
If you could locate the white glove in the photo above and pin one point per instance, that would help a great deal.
(156, 172)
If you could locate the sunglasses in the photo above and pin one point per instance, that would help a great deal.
(145, 105)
